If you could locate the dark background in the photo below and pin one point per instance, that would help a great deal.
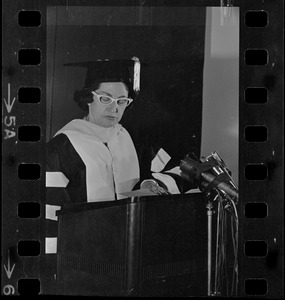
(170, 45)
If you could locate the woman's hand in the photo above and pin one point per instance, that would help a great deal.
(153, 186)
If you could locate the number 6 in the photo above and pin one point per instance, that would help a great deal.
(8, 289)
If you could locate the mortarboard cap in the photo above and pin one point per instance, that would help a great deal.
(127, 71)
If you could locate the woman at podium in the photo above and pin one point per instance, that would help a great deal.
(94, 159)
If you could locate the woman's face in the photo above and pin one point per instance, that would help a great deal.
(111, 114)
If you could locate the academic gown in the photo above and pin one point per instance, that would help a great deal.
(90, 163)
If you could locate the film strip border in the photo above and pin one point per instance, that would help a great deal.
(23, 141)
(261, 143)
(261, 89)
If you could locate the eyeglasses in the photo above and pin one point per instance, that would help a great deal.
(104, 99)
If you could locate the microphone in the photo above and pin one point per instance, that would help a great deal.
(190, 168)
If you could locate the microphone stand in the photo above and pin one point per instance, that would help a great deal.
(209, 207)
(210, 212)
(189, 166)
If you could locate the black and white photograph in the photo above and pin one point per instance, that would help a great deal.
(147, 187)
(135, 97)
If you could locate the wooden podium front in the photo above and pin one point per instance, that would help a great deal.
(143, 246)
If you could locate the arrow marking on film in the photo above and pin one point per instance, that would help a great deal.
(8, 103)
(8, 269)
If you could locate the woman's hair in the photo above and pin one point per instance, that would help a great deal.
(85, 96)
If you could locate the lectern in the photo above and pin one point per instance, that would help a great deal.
(140, 246)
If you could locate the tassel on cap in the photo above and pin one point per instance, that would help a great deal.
(137, 68)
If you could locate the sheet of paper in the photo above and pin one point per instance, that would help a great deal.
(193, 191)
(139, 193)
